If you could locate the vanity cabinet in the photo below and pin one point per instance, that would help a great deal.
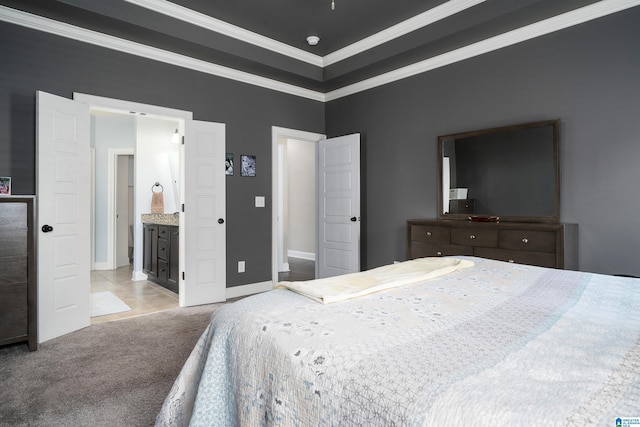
(18, 284)
(542, 244)
(161, 255)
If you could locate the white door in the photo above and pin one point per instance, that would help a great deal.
(204, 244)
(62, 129)
(338, 206)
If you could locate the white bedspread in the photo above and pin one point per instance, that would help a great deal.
(494, 344)
(340, 288)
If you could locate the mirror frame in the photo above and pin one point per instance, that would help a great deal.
(506, 218)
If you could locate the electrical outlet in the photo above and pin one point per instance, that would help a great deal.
(240, 266)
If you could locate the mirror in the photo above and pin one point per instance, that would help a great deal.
(509, 172)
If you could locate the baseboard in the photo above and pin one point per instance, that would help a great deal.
(303, 255)
(250, 289)
(101, 266)
(138, 275)
(284, 267)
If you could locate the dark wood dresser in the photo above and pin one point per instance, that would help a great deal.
(18, 284)
(543, 244)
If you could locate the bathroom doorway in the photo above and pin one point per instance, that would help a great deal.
(115, 139)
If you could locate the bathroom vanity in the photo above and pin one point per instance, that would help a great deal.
(160, 256)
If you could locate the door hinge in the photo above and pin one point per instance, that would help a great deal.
(183, 207)
(183, 140)
(183, 275)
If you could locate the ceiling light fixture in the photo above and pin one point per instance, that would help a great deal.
(333, 4)
(313, 40)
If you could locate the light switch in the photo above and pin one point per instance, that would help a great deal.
(259, 201)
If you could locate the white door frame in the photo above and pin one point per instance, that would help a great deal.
(127, 107)
(278, 133)
(112, 174)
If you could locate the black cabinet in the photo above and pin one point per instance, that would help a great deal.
(161, 255)
(18, 299)
(150, 250)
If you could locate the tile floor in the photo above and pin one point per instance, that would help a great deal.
(143, 297)
(146, 297)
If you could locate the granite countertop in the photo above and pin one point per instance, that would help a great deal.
(162, 219)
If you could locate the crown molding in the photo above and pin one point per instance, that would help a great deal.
(126, 46)
(424, 19)
(541, 28)
(212, 24)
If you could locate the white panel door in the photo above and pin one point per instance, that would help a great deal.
(338, 206)
(203, 242)
(63, 215)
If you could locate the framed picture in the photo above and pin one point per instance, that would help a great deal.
(228, 164)
(247, 165)
(5, 185)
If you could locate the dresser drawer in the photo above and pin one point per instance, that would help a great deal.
(541, 259)
(422, 249)
(474, 237)
(528, 240)
(431, 234)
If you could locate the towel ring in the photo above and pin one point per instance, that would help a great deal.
(157, 184)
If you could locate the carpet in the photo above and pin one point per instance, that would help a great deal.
(104, 303)
(110, 374)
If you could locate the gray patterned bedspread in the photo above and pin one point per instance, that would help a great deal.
(495, 344)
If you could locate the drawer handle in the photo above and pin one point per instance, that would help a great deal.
(511, 261)
(472, 236)
(438, 253)
(525, 240)
(428, 233)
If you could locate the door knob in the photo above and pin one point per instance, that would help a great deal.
(220, 221)
(354, 219)
(47, 228)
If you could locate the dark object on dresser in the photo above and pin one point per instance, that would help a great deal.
(541, 244)
(161, 255)
(462, 206)
(18, 284)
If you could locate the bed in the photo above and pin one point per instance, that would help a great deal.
(490, 344)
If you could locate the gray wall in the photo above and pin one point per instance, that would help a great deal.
(35, 60)
(588, 76)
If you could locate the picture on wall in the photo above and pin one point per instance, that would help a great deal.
(228, 164)
(248, 165)
(5, 185)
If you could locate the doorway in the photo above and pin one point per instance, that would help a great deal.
(64, 192)
(115, 137)
(294, 234)
(298, 196)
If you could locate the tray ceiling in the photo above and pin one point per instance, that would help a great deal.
(360, 40)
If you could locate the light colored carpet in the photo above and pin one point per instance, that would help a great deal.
(106, 375)
(103, 303)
